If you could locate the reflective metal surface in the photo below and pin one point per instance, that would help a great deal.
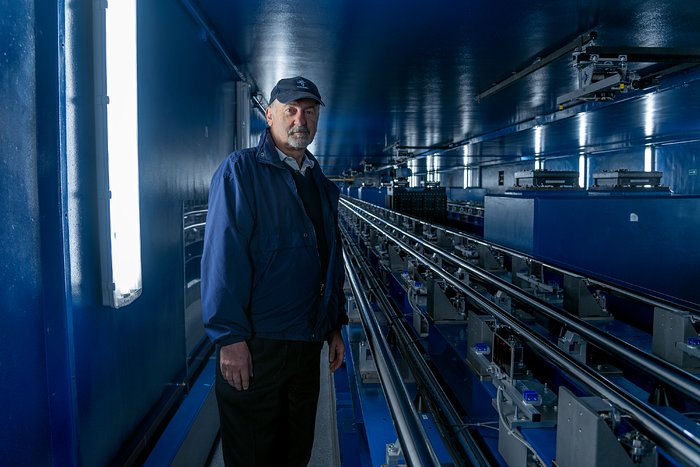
(410, 71)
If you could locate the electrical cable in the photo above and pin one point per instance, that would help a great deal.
(512, 432)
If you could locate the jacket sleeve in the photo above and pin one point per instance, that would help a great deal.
(338, 311)
(339, 285)
(226, 265)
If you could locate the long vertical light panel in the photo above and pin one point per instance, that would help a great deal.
(539, 163)
(648, 159)
(465, 162)
(118, 141)
(582, 158)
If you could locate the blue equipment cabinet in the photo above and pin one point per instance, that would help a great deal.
(353, 192)
(373, 195)
(648, 243)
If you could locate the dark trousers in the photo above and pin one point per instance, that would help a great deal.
(271, 423)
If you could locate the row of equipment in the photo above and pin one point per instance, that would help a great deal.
(481, 355)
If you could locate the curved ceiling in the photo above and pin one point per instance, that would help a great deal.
(407, 73)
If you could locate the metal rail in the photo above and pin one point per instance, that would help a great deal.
(446, 411)
(666, 432)
(213, 39)
(679, 379)
(540, 62)
(415, 443)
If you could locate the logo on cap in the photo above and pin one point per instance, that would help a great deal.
(291, 89)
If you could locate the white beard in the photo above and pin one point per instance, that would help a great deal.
(299, 140)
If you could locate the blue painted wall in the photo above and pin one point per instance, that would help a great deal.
(562, 163)
(681, 166)
(631, 159)
(24, 425)
(80, 382)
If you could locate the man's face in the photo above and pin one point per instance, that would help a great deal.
(293, 125)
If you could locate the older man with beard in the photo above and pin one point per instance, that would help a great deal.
(272, 284)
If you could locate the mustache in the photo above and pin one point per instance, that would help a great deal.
(298, 129)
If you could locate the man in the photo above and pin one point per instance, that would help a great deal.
(272, 284)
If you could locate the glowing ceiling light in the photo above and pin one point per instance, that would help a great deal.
(538, 147)
(582, 129)
(538, 139)
(649, 110)
(648, 159)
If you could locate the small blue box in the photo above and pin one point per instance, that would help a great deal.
(530, 396)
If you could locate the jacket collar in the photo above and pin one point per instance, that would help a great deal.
(267, 152)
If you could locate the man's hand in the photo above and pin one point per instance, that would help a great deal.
(236, 365)
(336, 350)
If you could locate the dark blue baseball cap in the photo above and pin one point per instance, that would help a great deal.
(293, 89)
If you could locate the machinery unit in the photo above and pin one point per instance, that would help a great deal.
(426, 202)
(480, 343)
(366, 364)
(605, 72)
(676, 338)
(628, 180)
(580, 300)
(542, 357)
(545, 179)
(507, 355)
(530, 276)
(574, 345)
(590, 434)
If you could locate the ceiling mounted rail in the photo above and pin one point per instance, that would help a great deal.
(579, 42)
(644, 54)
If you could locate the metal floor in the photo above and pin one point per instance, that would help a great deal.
(325, 452)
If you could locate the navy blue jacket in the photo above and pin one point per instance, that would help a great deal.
(261, 271)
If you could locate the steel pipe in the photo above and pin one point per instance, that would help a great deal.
(468, 445)
(668, 434)
(415, 443)
(679, 379)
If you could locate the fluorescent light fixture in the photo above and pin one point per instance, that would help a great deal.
(648, 159)
(433, 166)
(437, 176)
(582, 171)
(472, 177)
(413, 179)
(429, 168)
(117, 152)
(465, 160)
(538, 139)
(539, 163)
(582, 129)
(649, 112)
